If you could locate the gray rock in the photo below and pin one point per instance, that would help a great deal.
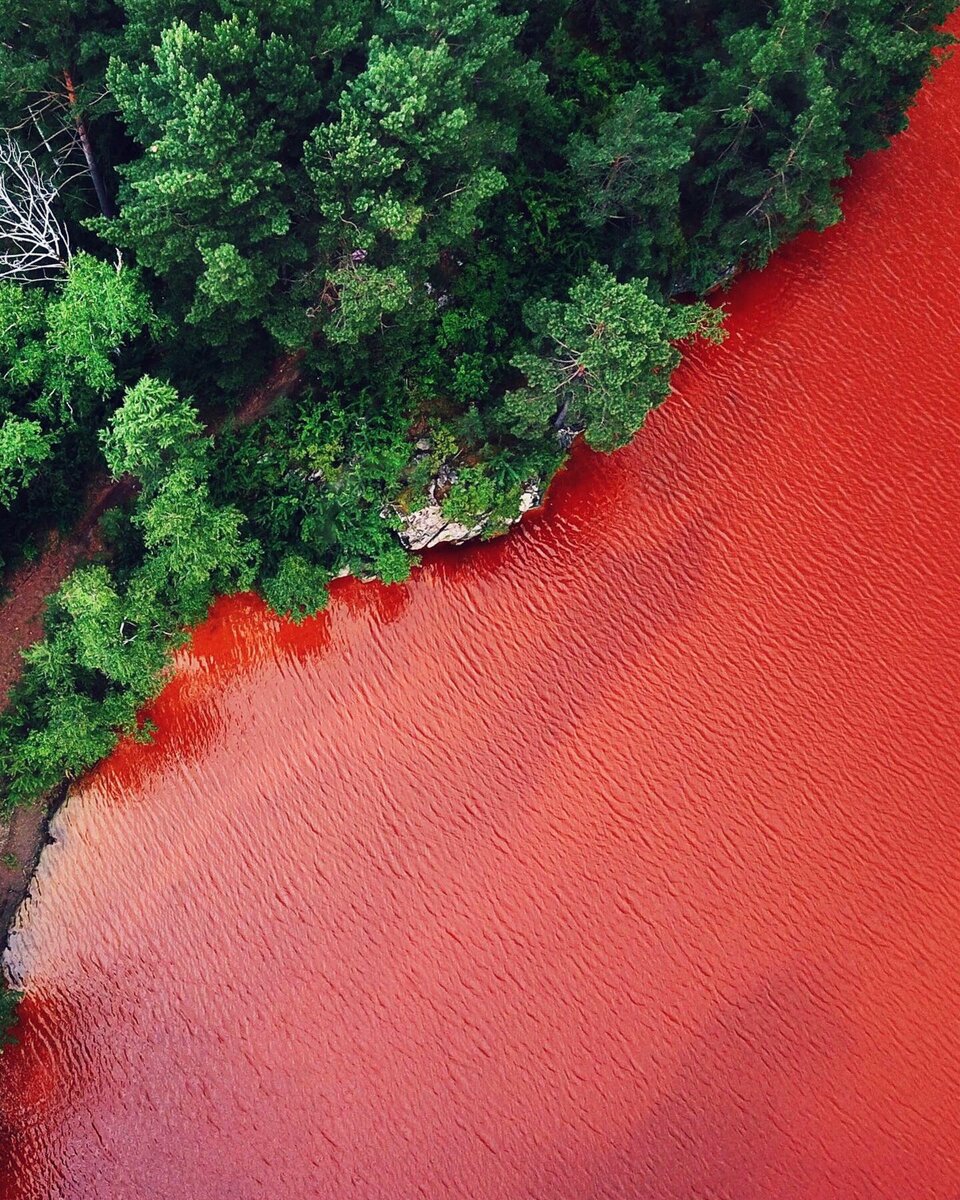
(428, 527)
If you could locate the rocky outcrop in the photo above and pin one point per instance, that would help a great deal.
(428, 527)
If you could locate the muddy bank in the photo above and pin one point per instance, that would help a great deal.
(28, 584)
(23, 840)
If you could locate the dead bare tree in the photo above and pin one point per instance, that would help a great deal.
(34, 242)
(58, 118)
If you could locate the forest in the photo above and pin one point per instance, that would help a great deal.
(477, 232)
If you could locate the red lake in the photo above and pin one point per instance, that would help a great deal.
(618, 858)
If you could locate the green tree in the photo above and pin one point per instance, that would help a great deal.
(193, 547)
(112, 630)
(422, 135)
(59, 347)
(771, 144)
(205, 206)
(297, 589)
(630, 174)
(877, 53)
(59, 377)
(52, 63)
(362, 296)
(99, 308)
(195, 550)
(151, 431)
(23, 449)
(9, 1000)
(604, 359)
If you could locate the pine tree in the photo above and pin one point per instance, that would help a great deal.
(421, 139)
(605, 357)
(630, 173)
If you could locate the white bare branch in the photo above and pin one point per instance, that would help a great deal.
(34, 243)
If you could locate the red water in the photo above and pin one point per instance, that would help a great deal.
(617, 859)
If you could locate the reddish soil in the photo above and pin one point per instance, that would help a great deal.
(283, 378)
(28, 586)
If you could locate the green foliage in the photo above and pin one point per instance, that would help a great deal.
(471, 223)
(313, 481)
(53, 56)
(99, 309)
(630, 174)
(23, 448)
(65, 353)
(59, 349)
(9, 1000)
(606, 359)
(775, 145)
(297, 589)
(472, 496)
(881, 49)
(103, 654)
(413, 154)
(193, 547)
(151, 431)
(364, 296)
(205, 205)
(422, 133)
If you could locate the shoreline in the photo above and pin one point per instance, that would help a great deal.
(26, 834)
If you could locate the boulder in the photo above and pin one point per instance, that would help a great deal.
(428, 527)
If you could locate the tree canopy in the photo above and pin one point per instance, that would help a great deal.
(482, 231)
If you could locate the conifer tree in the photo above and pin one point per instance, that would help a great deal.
(605, 359)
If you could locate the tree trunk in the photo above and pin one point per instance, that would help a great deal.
(103, 198)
